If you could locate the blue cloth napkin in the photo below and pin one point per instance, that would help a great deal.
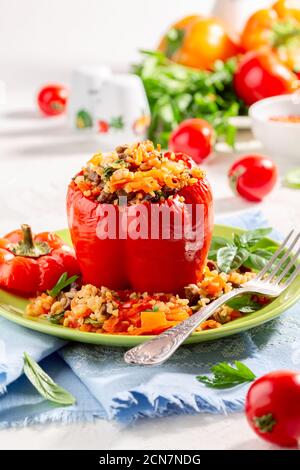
(105, 387)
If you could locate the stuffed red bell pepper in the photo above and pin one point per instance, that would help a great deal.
(31, 264)
(140, 219)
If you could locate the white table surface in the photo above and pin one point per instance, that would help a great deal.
(37, 159)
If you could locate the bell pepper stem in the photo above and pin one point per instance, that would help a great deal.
(27, 247)
(27, 234)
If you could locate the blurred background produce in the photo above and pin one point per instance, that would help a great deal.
(194, 137)
(176, 92)
(52, 100)
(204, 69)
(197, 41)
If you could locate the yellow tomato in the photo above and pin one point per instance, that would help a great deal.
(198, 42)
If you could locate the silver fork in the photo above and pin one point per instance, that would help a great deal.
(271, 281)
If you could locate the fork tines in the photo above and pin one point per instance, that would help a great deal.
(283, 263)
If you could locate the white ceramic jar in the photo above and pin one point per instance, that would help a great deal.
(113, 106)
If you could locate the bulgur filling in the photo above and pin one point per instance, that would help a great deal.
(101, 310)
(141, 172)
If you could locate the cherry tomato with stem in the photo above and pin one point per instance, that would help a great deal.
(52, 99)
(195, 137)
(273, 408)
(253, 177)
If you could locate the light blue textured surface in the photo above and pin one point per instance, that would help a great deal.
(106, 387)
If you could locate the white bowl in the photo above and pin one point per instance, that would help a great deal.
(280, 139)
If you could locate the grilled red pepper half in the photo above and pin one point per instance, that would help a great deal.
(152, 265)
(31, 264)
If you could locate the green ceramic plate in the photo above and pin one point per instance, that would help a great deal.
(13, 306)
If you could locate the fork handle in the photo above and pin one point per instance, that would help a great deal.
(158, 350)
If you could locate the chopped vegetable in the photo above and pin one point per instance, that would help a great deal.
(176, 93)
(226, 376)
(103, 310)
(151, 321)
(44, 384)
(62, 282)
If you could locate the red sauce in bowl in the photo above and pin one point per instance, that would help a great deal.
(292, 118)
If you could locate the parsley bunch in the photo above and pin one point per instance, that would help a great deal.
(176, 93)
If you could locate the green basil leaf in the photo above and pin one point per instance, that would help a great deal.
(252, 237)
(244, 304)
(225, 257)
(44, 384)
(237, 240)
(230, 258)
(216, 244)
(258, 259)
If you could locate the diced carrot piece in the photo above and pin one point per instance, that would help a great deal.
(151, 321)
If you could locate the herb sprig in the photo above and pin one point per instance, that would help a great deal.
(44, 384)
(248, 249)
(226, 376)
(61, 284)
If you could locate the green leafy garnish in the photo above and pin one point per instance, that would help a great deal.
(247, 249)
(230, 258)
(155, 308)
(176, 93)
(252, 237)
(174, 40)
(244, 304)
(62, 282)
(57, 317)
(93, 322)
(108, 171)
(44, 384)
(226, 376)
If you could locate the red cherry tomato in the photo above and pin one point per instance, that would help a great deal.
(260, 74)
(253, 177)
(52, 99)
(195, 137)
(273, 407)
